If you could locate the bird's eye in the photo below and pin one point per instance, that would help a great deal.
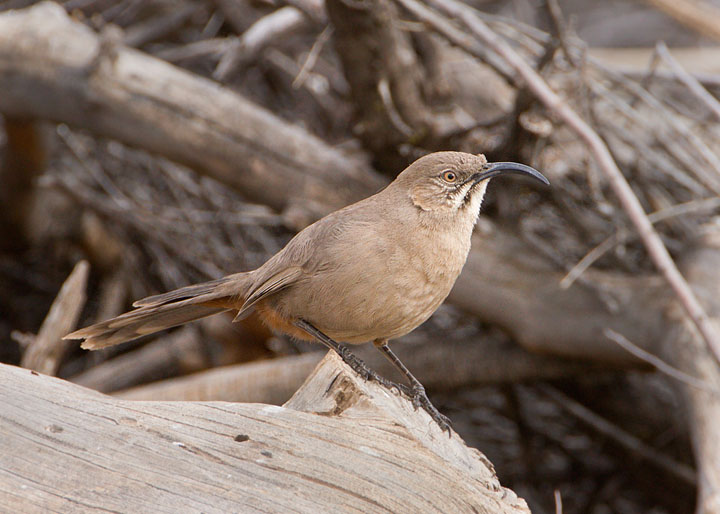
(449, 176)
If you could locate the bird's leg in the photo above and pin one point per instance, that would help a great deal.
(357, 365)
(417, 390)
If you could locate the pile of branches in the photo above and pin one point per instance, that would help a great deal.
(184, 159)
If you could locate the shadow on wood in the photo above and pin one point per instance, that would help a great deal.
(340, 444)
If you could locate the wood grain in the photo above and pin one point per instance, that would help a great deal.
(340, 445)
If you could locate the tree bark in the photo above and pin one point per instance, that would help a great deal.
(385, 78)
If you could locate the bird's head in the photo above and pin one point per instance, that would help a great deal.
(447, 183)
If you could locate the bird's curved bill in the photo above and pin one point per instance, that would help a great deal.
(494, 169)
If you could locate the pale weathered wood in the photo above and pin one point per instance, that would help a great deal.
(703, 61)
(340, 445)
(268, 381)
(181, 352)
(699, 15)
(47, 349)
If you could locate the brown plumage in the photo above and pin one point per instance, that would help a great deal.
(371, 271)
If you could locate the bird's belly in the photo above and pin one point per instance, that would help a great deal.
(384, 295)
(375, 308)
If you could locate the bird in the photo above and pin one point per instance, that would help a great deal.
(370, 272)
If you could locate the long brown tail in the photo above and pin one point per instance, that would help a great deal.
(166, 310)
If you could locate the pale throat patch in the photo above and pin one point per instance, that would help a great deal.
(475, 202)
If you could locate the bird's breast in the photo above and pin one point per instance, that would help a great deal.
(378, 288)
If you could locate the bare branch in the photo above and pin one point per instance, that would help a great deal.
(658, 363)
(620, 436)
(690, 81)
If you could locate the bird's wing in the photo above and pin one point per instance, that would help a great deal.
(275, 283)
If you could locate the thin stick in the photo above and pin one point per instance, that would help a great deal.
(658, 363)
(620, 436)
(705, 204)
(255, 39)
(691, 82)
(312, 57)
(650, 238)
(558, 501)
(587, 261)
(702, 17)
(46, 351)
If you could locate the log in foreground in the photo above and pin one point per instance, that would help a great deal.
(340, 444)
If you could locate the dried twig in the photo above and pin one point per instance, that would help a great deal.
(312, 56)
(690, 81)
(697, 15)
(255, 39)
(658, 363)
(558, 502)
(705, 204)
(155, 28)
(620, 436)
(589, 258)
(206, 48)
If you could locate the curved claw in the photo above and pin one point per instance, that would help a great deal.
(419, 399)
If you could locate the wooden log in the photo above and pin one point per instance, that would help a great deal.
(383, 72)
(507, 283)
(268, 381)
(340, 445)
(179, 353)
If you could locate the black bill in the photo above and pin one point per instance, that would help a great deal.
(494, 169)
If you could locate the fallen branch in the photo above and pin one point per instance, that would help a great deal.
(271, 381)
(697, 15)
(682, 347)
(658, 363)
(179, 353)
(690, 81)
(268, 29)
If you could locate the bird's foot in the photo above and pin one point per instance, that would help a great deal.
(419, 399)
(362, 369)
